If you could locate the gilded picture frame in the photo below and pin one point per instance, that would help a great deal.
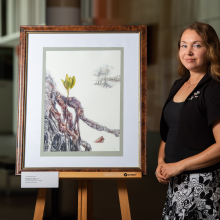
(82, 103)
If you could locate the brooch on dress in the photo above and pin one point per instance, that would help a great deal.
(195, 95)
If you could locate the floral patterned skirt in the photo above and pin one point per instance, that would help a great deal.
(193, 197)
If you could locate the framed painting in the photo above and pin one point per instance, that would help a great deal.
(82, 99)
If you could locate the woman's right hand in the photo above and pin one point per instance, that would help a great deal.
(161, 162)
(159, 175)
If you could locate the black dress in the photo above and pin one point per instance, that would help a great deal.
(175, 149)
(193, 195)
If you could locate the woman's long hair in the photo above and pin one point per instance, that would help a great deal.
(212, 44)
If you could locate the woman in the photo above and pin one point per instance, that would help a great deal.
(189, 153)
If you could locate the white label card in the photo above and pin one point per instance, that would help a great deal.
(39, 179)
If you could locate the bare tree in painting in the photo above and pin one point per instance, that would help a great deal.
(55, 127)
(103, 78)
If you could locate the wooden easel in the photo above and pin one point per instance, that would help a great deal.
(85, 211)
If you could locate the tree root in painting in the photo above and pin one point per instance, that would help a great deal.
(62, 136)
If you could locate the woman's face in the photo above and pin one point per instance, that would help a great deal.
(193, 52)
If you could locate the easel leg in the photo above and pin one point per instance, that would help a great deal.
(85, 204)
(79, 199)
(123, 199)
(84, 200)
(40, 204)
